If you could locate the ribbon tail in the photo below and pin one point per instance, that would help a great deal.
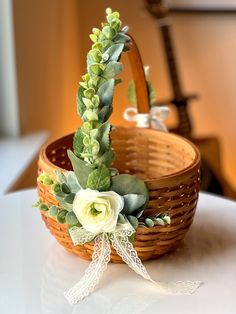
(87, 284)
(126, 251)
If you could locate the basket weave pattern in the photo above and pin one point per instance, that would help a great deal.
(167, 163)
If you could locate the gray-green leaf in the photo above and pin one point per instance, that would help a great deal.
(127, 184)
(81, 170)
(114, 51)
(105, 113)
(133, 221)
(99, 179)
(105, 93)
(112, 69)
(80, 104)
(132, 202)
(71, 219)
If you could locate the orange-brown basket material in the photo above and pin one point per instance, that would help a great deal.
(167, 163)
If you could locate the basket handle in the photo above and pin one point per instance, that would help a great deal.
(140, 82)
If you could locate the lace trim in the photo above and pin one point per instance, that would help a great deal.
(126, 251)
(80, 236)
(124, 248)
(100, 259)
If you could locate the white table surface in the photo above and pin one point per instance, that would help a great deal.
(35, 270)
(16, 154)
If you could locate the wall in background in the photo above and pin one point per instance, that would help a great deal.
(52, 41)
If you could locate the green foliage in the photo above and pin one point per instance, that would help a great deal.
(53, 211)
(43, 207)
(112, 69)
(71, 219)
(61, 216)
(81, 170)
(127, 184)
(133, 221)
(105, 93)
(91, 145)
(132, 202)
(99, 179)
(159, 219)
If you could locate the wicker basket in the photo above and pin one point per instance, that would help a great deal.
(169, 165)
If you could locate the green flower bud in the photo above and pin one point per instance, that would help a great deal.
(86, 77)
(97, 68)
(97, 46)
(108, 32)
(96, 31)
(56, 187)
(87, 127)
(93, 37)
(41, 177)
(95, 55)
(108, 11)
(43, 207)
(116, 24)
(95, 147)
(47, 180)
(149, 222)
(89, 93)
(88, 103)
(95, 101)
(61, 216)
(90, 115)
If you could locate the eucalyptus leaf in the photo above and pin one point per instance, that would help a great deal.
(78, 144)
(121, 219)
(81, 170)
(127, 184)
(132, 202)
(114, 51)
(99, 179)
(69, 198)
(121, 38)
(103, 138)
(112, 69)
(133, 221)
(65, 188)
(104, 113)
(63, 203)
(53, 211)
(106, 159)
(105, 93)
(60, 176)
(72, 182)
(71, 219)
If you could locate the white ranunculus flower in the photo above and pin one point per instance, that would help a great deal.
(97, 211)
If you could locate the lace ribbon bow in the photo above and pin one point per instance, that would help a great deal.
(119, 239)
(154, 119)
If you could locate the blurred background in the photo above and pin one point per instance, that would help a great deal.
(191, 53)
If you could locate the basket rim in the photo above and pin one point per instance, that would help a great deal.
(162, 179)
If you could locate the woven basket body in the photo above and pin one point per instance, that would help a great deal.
(167, 163)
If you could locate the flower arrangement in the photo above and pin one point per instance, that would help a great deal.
(95, 201)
